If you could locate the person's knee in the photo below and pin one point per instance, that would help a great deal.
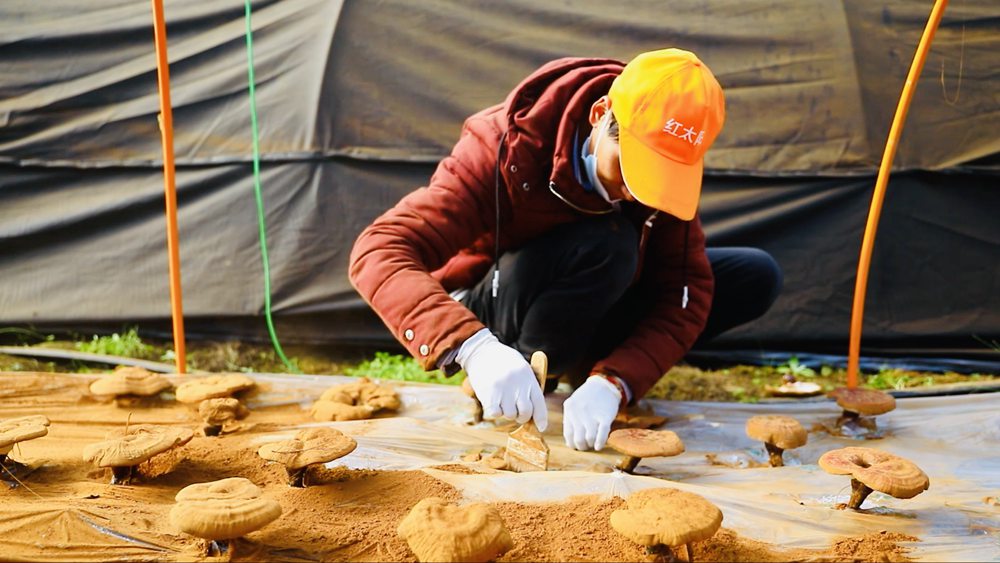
(763, 274)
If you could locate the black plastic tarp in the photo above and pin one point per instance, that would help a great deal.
(358, 100)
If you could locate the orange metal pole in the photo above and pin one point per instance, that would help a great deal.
(170, 188)
(868, 243)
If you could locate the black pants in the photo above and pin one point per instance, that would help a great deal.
(568, 293)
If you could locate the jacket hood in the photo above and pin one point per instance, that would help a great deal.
(547, 108)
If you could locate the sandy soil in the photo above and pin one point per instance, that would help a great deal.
(67, 510)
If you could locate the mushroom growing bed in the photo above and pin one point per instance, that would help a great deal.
(66, 510)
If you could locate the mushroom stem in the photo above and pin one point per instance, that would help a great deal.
(212, 429)
(661, 553)
(477, 412)
(628, 463)
(121, 475)
(297, 477)
(774, 453)
(690, 552)
(217, 548)
(3, 459)
(852, 419)
(859, 492)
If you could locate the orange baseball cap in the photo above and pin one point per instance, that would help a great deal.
(669, 108)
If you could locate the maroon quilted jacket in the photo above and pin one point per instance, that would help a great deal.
(441, 237)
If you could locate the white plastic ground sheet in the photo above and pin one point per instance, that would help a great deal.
(955, 440)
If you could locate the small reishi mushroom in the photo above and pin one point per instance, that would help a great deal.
(357, 400)
(778, 432)
(875, 470)
(212, 387)
(477, 409)
(438, 531)
(221, 511)
(309, 447)
(860, 404)
(16, 430)
(128, 384)
(791, 387)
(663, 519)
(637, 443)
(123, 452)
(220, 412)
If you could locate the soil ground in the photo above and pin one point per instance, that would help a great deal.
(345, 515)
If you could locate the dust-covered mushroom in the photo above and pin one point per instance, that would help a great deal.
(861, 405)
(477, 408)
(222, 511)
(309, 447)
(791, 387)
(779, 433)
(127, 384)
(123, 452)
(637, 443)
(16, 430)
(875, 470)
(663, 519)
(438, 531)
(219, 413)
(213, 387)
(355, 401)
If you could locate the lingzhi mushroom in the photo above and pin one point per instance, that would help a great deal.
(16, 430)
(438, 531)
(355, 401)
(122, 452)
(309, 447)
(637, 443)
(213, 387)
(222, 511)
(219, 414)
(861, 406)
(779, 433)
(130, 384)
(875, 470)
(663, 519)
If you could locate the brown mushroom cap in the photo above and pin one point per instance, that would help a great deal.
(782, 431)
(14, 430)
(666, 517)
(220, 411)
(867, 402)
(325, 411)
(438, 531)
(135, 448)
(130, 381)
(879, 470)
(640, 442)
(222, 510)
(311, 445)
(796, 389)
(215, 386)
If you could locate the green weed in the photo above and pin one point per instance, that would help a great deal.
(395, 366)
(127, 344)
(794, 368)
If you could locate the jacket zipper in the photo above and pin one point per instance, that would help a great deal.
(647, 226)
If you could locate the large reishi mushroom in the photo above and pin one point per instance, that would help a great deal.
(861, 406)
(637, 443)
(218, 413)
(221, 511)
(123, 452)
(16, 430)
(128, 384)
(663, 519)
(438, 531)
(309, 447)
(875, 470)
(779, 433)
(357, 400)
(213, 387)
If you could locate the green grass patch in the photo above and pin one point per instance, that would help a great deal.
(394, 366)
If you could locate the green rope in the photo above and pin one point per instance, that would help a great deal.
(260, 200)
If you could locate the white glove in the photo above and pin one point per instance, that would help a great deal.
(589, 412)
(502, 379)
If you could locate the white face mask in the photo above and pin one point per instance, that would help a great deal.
(590, 160)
